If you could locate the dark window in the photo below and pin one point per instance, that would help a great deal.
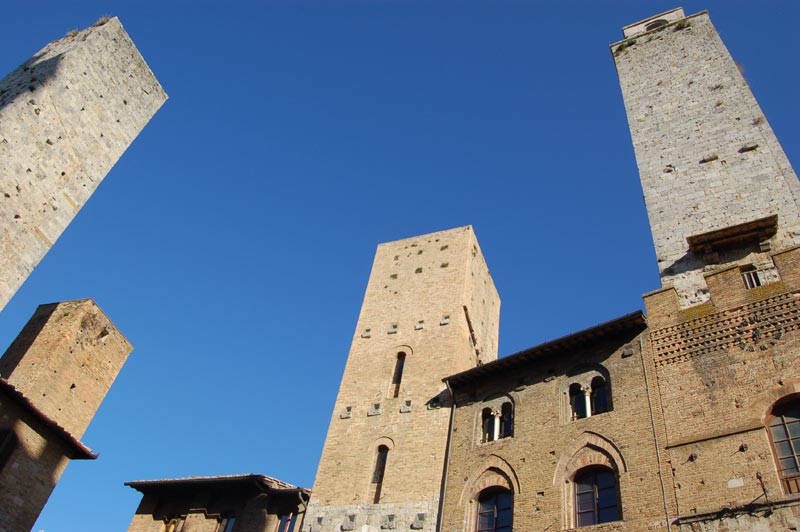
(8, 442)
(287, 523)
(495, 508)
(398, 373)
(378, 473)
(487, 424)
(577, 401)
(506, 421)
(655, 24)
(784, 431)
(599, 396)
(596, 497)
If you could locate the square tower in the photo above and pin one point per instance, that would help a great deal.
(430, 310)
(718, 187)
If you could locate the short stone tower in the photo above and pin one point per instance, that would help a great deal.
(718, 186)
(430, 310)
(53, 378)
(65, 360)
(66, 116)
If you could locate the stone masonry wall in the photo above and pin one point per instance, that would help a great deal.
(32, 471)
(65, 360)
(707, 157)
(420, 295)
(720, 368)
(66, 116)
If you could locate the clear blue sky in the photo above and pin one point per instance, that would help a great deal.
(232, 243)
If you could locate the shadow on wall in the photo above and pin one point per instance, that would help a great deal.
(28, 78)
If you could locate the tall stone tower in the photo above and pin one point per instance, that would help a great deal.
(718, 186)
(430, 310)
(66, 116)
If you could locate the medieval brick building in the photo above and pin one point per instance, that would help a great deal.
(686, 418)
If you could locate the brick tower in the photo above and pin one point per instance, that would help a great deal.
(53, 378)
(430, 310)
(718, 186)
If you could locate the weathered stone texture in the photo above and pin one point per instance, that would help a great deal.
(707, 157)
(65, 360)
(66, 117)
(432, 298)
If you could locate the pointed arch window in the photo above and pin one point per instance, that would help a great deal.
(497, 423)
(784, 433)
(596, 496)
(495, 510)
(378, 473)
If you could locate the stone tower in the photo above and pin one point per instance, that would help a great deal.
(66, 116)
(430, 310)
(718, 187)
(53, 378)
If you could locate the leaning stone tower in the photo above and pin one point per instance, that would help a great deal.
(718, 186)
(430, 310)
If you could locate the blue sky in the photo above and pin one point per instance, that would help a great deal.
(232, 243)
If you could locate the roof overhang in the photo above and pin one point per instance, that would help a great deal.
(752, 232)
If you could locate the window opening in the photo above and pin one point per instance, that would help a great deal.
(784, 432)
(488, 425)
(577, 401)
(378, 473)
(596, 497)
(496, 425)
(599, 396)
(495, 509)
(397, 376)
(506, 421)
(655, 24)
(8, 442)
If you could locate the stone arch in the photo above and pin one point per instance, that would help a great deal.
(588, 450)
(494, 471)
(761, 406)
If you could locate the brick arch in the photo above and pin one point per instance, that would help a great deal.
(762, 404)
(493, 471)
(588, 449)
(407, 349)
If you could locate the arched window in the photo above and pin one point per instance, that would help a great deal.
(599, 396)
(378, 473)
(8, 442)
(497, 423)
(495, 509)
(784, 433)
(397, 376)
(596, 496)
(577, 401)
